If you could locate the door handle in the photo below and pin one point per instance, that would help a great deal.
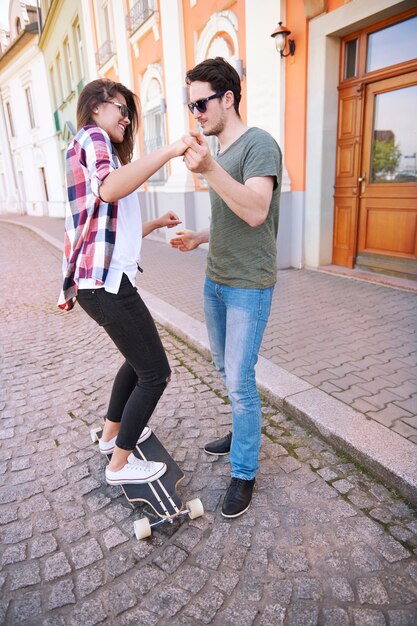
(362, 181)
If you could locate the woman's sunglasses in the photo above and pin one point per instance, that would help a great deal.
(201, 105)
(124, 111)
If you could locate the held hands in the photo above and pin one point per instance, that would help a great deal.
(197, 156)
(187, 240)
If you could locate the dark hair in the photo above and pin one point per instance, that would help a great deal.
(221, 76)
(102, 90)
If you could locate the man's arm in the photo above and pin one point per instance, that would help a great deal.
(249, 201)
(189, 239)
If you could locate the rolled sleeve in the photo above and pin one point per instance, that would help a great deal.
(99, 158)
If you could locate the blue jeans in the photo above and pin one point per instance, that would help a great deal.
(144, 375)
(236, 321)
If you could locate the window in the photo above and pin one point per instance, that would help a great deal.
(392, 45)
(52, 79)
(10, 119)
(153, 138)
(351, 54)
(61, 78)
(30, 107)
(70, 69)
(79, 49)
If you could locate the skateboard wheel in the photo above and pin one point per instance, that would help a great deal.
(195, 508)
(94, 432)
(142, 528)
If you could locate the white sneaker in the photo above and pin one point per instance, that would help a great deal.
(107, 447)
(136, 473)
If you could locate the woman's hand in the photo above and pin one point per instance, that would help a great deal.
(178, 147)
(169, 220)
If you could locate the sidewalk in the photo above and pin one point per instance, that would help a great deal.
(339, 354)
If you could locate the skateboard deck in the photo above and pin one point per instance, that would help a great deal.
(161, 494)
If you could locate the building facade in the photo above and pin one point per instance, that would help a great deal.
(339, 99)
(30, 178)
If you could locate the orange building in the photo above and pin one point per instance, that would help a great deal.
(340, 101)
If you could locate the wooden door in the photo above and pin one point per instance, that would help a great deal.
(387, 223)
(346, 181)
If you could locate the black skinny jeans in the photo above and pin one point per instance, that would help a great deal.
(143, 377)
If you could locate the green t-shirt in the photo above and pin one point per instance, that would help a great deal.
(239, 255)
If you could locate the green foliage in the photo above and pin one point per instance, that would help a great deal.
(386, 157)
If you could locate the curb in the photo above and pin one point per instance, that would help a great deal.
(389, 456)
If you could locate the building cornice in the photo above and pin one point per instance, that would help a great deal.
(28, 33)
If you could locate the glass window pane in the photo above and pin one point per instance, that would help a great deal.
(350, 58)
(395, 44)
(394, 137)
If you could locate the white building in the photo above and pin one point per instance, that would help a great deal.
(30, 176)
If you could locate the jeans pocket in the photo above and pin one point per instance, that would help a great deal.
(89, 302)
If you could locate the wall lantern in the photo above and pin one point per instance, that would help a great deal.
(280, 35)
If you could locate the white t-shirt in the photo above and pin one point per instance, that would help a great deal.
(127, 247)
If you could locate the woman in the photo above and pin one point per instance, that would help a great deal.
(103, 233)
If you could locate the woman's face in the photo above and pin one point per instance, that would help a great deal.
(112, 117)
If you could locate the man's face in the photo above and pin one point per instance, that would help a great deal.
(212, 120)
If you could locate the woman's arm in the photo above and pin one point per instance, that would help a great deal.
(122, 181)
(169, 220)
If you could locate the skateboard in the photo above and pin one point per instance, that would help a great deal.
(161, 494)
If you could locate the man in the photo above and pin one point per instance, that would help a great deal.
(244, 181)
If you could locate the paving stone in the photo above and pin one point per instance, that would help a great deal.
(61, 594)
(402, 618)
(172, 558)
(371, 591)
(237, 613)
(14, 554)
(24, 575)
(168, 601)
(327, 473)
(89, 580)
(391, 549)
(139, 617)
(121, 598)
(335, 617)
(114, 537)
(56, 566)
(42, 545)
(16, 532)
(89, 613)
(146, 578)
(300, 616)
(27, 607)
(342, 486)
(86, 553)
(367, 617)
(205, 607)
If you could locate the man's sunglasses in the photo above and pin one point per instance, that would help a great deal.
(201, 105)
(124, 111)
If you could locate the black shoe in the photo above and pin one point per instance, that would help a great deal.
(220, 446)
(238, 497)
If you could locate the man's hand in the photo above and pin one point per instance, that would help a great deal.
(197, 157)
(188, 240)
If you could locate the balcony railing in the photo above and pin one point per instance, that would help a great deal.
(138, 14)
(104, 53)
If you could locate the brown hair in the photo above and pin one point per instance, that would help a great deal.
(221, 76)
(102, 90)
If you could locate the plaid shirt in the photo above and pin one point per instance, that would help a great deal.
(90, 223)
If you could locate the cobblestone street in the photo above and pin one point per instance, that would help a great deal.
(323, 543)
